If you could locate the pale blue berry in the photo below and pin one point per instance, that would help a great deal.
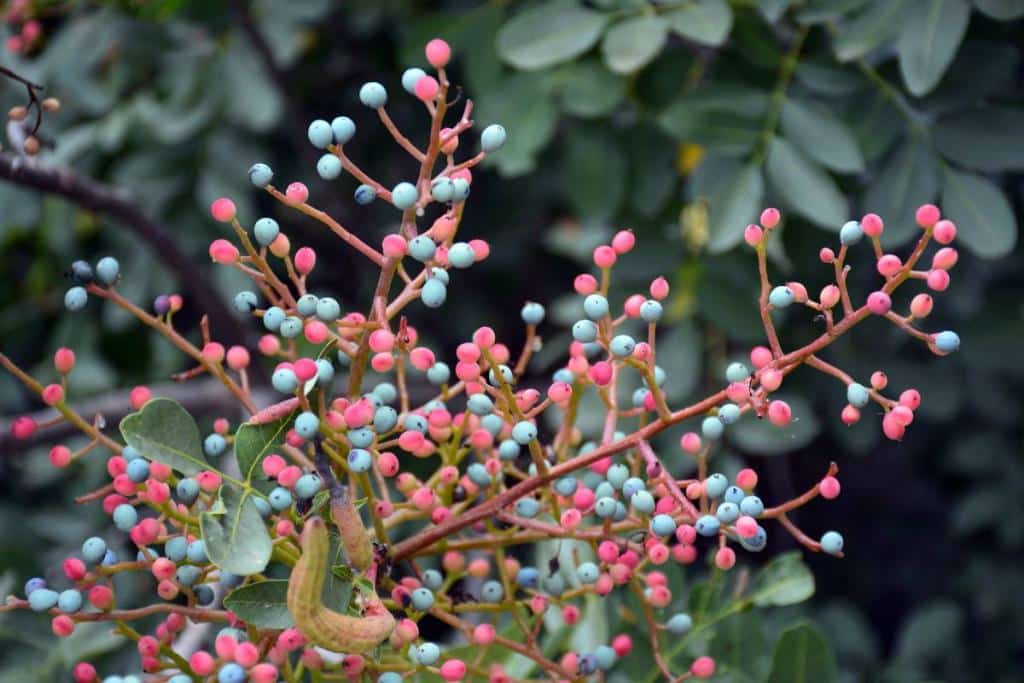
(492, 138)
(850, 233)
(461, 255)
(595, 306)
(409, 78)
(663, 525)
(422, 248)
(781, 296)
(260, 175)
(622, 345)
(729, 413)
(342, 128)
(588, 572)
(107, 269)
(737, 372)
(712, 428)
(727, 513)
(460, 189)
(320, 134)
(433, 293)
(422, 599)
(404, 195)
(947, 341)
(442, 190)
(307, 486)
(524, 432)
(707, 525)
(651, 311)
(857, 395)
(679, 624)
(751, 506)
(328, 309)
(364, 194)
(373, 95)
(328, 167)
(716, 484)
(272, 318)
(266, 231)
(75, 299)
(832, 542)
(584, 331)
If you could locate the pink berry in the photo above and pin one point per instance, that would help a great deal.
(829, 487)
(223, 210)
(779, 413)
(746, 479)
(53, 394)
(770, 218)
(944, 232)
(438, 53)
(238, 358)
(850, 415)
(633, 304)
(296, 193)
(945, 258)
(62, 626)
(223, 252)
(60, 456)
(604, 256)
(760, 356)
(921, 305)
(829, 296)
(659, 288)
(911, 398)
(891, 428)
(889, 265)
(879, 380)
(938, 280)
(902, 415)
(879, 303)
(746, 526)
(426, 88)
(305, 260)
(725, 558)
(690, 442)
(64, 360)
(871, 224)
(753, 234)
(826, 255)
(771, 380)
(585, 284)
(703, 667)
(623, 242)
(927, 215)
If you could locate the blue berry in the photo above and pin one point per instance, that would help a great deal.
(260, 175)
(187, 574)
(162, 304)
(272, 318)
(291, 327)
(125, 516)
(595, 306)
(588, 572)
(587, 664)
(196, 552)
(266, 231)
(245, 302)
(781, 296)
(362, 437)
(712, 428)
(492, 423)
(364, 194)
(433, 579)
(527, 507)
(214, 445)
(604, 507)
(409, 78)
(328, 309)
(205, 597)
(34, 584)
(639, 397)
(605, 490)
(460, 189)
(138, 470)
(492, 138)
(532, 313)
(434, 293)
(422, 599)
(506, 375)
(492, 591)
(176, 548)
(42, 599)
(442, 190)
(422, 249)
(643, 502)
(307, 486)
(373, 95)
(342, 128)
(328, 167)
(584, 331)
(81, 272)
(107, 270)
(187, 490)
(307, 425)
(320, 134)
(94, 549)
(632, 485)
(727, 513)
(404, 196)
(129, 454)
(231, 673)
(524, 432)
(280, 499)
(263, 507)
(416, 423)
(564, 375)
(734, 494)
(527, 577)
(427, 654)
(850, 233)
(605, 657)
(384, 419)
(478, 474)
(439, 373)
(651, 311)
(857, 395)
(508, 450)
(461, 255)
(440, 274)
(832, 542)
(663, 525)
(716, 484)
(947, 341)
(306, 304)
(679, 624)
(359, 460)
(737, 372)
(729, 413)
(389, 677)
(480, 404)
(707, 525)
(752, 506)
(75, 298)
(284, 380)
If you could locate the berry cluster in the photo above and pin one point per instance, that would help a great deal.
(27, 30)
(430, 504)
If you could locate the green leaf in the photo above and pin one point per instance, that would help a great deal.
(528, 111)
(984, 139)
(928, 631)
(825, 11)
(785, 580)
(820, 135)
(761, 437)
(681, 355)
(651, 155)
(907, 179)
(932, 31)
(253, 442)
(985, 222)
(591, 90)
(263, 604)
(873, 27)
(234, 533)
(707, 22)
(772, 10)
(631, 44)
(806, 189)
(594, 174)
(164, 432)
(1001, 10)
(802, 655)
(734, 204)
(549, 34)
(723, 118)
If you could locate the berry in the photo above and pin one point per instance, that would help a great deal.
(524, 432)
(781, 296)
(663, 525)
(373, 95)
(81, 273)
(461, 255)
(729, 413)
(266, 231)
(75, 299)
(125, 516)
(737, 372)
(342, 128)
(492, 138)
(832, 542)
(460, 189)
(404, 195)
(246, 302)
(711, 428)
(422, 249)
(850, 233)
(622, 345)
(727, 513)
(42, 599)
(280, 499)
(410, 77)
(442, 190)
(492, 591)
(364, 194)
(438, 53)
(307, 425)
(328, 167)
(320, 134)
(716, 485)
(584, 331)
(214, 445)
(433, 293)
(707, 525)
(651, 311)
(34, 584)
(93, 549)
(947, 341)
(291, 327)
(260, 175)
(307, 486)
(588, 572)
(328, 309)
(751, 506)
(679, 624)
(107, 270)
(422, 599)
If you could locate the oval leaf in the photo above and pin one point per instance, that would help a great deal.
(871, 28)
(253, 442)
(263, 604)
(164, 432)
(785, 580)
(908, 179)
(932, 31)
(978, 138)
(1001, 10)
(707, 22)
(802, 655)
(984, 219)
(234, 533)
(549, 34)
(806, 189)
(630, 45)
(736, 207)
(822, 136)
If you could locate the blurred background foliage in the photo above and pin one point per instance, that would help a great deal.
(678, 119)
